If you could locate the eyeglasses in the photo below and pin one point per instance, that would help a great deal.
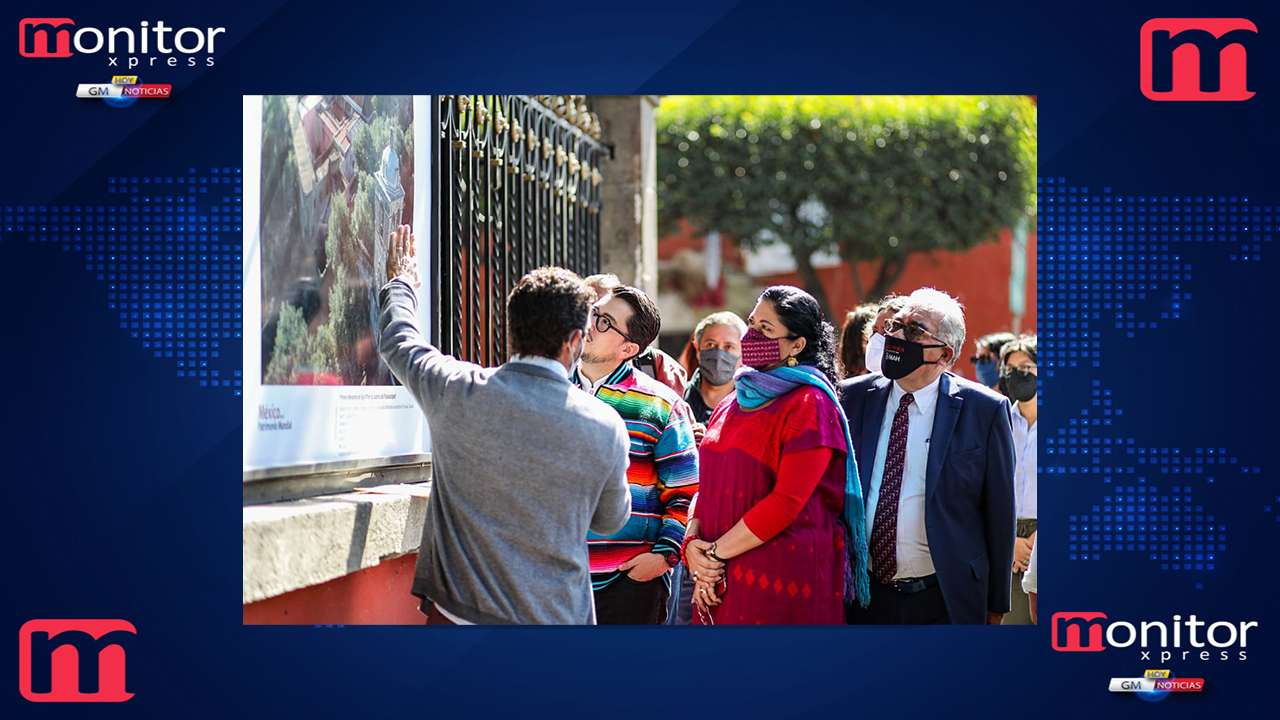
(1023, 370)
(975, 359)
(913, 331)
(604, 324)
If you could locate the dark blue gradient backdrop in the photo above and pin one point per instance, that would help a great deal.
(123, 467)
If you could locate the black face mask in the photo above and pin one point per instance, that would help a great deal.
(1019, 386)
(902, 357)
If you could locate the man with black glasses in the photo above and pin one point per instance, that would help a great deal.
(629, 569)
(935, 458)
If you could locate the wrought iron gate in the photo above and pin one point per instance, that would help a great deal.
(516, 187)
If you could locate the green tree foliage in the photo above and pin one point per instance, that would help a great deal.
(279, 167)
(369, 142)
(338, 240)
(322, 351)
(362, 216)
(386, 105)
(406, 159)
(277, 142)
(348, 323)
(290, 349)
(874, 178)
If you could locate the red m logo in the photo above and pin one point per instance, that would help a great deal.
(1069, 632)
(1196, 59)
(74, 660)
(40, 37)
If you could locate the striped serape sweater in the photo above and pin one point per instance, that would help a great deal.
(663, 473)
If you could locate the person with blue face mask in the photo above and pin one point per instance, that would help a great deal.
(986, 361)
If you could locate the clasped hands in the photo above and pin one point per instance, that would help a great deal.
(708, 575)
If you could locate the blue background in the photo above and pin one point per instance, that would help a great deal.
(124, 475)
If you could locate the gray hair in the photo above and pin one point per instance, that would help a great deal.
(892, 303)
(720, 318)
(946, 310)
(602, 283)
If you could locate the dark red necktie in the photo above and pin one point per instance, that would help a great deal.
(884, 531)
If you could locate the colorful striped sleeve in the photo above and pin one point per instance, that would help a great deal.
(676, 460)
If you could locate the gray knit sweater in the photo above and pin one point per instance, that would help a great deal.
(522, 465)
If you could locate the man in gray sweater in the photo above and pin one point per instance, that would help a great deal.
(523, 463)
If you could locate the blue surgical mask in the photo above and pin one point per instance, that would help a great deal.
(988, 372)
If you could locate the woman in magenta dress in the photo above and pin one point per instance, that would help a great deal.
(778, 535)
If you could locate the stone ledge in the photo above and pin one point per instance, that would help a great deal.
(299, 543)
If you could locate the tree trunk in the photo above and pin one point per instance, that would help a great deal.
(891, 269)
(809, 276)
(859, 294)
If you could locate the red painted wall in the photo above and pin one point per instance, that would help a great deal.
(374, 596)
(979, 277)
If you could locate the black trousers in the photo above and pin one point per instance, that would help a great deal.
(627, 602)
(889, 606)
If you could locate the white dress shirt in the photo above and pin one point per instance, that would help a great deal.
(1029, 577)
(593, 387)
(914, 560)
(1024, 466)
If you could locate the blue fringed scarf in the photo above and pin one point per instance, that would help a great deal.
(755, 388)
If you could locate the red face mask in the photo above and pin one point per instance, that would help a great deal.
(759, 351)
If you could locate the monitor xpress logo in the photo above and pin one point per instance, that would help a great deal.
(45, 37)
(1197, 59)
(126, 47)
(74, 660)
(1084, 632)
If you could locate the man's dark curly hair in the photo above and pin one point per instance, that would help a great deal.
(544, 309)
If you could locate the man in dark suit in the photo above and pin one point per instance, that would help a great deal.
(935, 458)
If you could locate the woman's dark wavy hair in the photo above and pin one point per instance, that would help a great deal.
(800, 313)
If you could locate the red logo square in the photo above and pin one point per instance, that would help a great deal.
(74, 660)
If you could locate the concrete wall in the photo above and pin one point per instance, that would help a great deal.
(374, 596)
(629, 193)
(297, 544)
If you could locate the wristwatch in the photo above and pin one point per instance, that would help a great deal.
(711, 553)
